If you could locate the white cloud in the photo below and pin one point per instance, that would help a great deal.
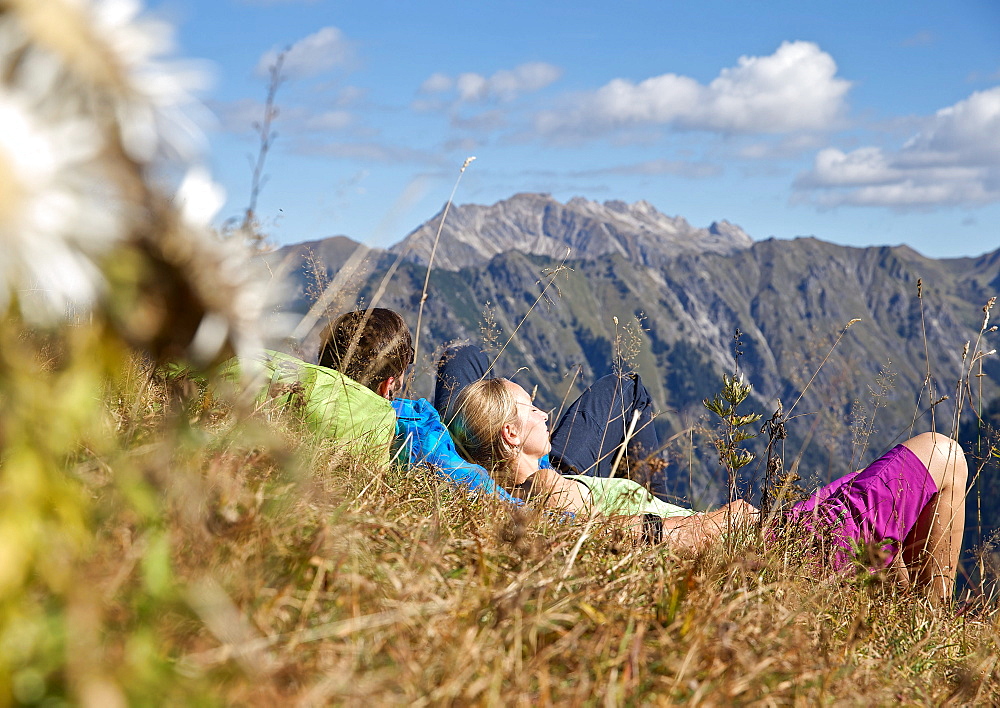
(504, 85)
(437, 83)
(865, 166)
(467, 145)
(428, 105)
(525, 78)
(472, 87)
(351, 95)
(967, 132)
(953, 160)
(989, 76)
(319, 52)
(485, 122)
(794, 89)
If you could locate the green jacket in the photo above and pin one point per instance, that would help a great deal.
(332, 405)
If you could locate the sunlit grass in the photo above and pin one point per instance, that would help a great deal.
(243, 561)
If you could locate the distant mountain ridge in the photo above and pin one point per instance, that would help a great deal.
(539, 225)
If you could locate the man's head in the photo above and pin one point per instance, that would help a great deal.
(373, 347)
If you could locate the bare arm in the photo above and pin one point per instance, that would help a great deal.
(560, 493)
(692, 532)
(697, 531)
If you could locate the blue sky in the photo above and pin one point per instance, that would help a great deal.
(858, 122)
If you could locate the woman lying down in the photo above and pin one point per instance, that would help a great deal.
(910, 502)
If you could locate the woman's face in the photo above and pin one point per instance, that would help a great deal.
(533, 421)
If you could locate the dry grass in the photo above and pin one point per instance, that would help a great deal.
(279, 572)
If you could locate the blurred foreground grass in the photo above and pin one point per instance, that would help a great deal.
(175, 548)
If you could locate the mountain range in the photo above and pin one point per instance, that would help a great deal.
(861, 344)
(539, 225)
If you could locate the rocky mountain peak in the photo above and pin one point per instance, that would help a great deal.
(541, 225)
(724, 228)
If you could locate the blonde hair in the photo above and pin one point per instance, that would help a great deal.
(482, 409)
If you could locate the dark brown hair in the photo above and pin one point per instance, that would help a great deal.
(369, 346)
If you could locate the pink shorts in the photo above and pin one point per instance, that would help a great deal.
(877, 506)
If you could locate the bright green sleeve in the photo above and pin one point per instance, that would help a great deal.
(618, 496)
(332, 405)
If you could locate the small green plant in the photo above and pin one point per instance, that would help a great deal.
(734, 425)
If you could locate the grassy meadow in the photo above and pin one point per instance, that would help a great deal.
(202, 550)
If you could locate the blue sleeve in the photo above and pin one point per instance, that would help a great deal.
(424, 440)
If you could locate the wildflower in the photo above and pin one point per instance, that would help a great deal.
(58, 212)
(157, 109)
(78, 79)
(107, 46)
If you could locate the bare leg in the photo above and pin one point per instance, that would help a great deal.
(931, 550)
(899, 571)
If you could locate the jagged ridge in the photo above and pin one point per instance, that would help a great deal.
(540, 225)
